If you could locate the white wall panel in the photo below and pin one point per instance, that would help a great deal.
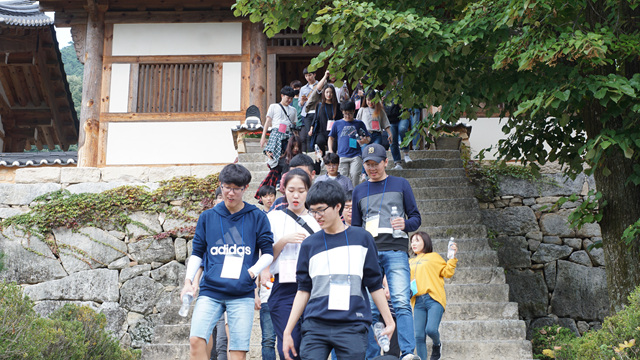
(119, 93)
(152, 143)
(177, 39)
(231, 86)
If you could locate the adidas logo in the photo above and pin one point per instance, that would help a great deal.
(230, 250)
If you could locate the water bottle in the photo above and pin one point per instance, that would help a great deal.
(450, 252)
(186, 302)
(397, 233)
(383, 340)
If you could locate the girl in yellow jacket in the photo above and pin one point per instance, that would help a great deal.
(428, 270)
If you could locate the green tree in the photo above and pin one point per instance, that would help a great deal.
(75, 72)
(562, 73)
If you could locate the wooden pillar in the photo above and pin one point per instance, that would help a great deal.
(91, 87)
(258, 78)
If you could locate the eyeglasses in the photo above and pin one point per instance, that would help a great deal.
(348, 113)
(319, 212)
(347, 207)
(234, 190)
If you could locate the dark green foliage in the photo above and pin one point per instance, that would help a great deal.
(75, 72)
(548, 337)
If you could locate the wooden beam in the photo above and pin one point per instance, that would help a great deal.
(175, 59)
(103, 135)
(258, 78)
(91, 87)
(135, 17)
(172, 117)
(34, 90)
(47, 137)
(295, 50)
(31, 118)
(217, 87)
(6, 91)
(13, 45)
(134, 75)
(271, 79)
(70, 18)
(49, 94)
(18, 85)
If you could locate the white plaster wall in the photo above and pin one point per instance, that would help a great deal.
(177, 39)
(153, 143)
(119, 93)
(231, 86)
(486, 132)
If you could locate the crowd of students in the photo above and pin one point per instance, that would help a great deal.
(329, 258)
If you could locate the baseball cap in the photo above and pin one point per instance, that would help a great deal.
(375, 152)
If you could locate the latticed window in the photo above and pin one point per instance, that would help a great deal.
(176, 87)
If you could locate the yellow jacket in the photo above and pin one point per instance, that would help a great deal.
(429, 271)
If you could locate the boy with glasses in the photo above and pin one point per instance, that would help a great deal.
(331, 162)
(227, 243)
(350, 134)
(335, 266)
(373, 202)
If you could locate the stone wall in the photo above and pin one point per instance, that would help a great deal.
(551, 273)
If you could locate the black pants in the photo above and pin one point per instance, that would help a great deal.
(304, 133)
(348, 339)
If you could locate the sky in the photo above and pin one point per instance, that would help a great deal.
(62, 33)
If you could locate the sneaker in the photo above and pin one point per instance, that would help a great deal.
(435, 352)
(410, 357)
(397, 167)
(407, 159)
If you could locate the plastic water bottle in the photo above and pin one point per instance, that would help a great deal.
(383, 340)
(186, 302)
(397, 233)
(450, 252)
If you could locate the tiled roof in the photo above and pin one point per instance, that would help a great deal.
(23, 13)
(38, 159)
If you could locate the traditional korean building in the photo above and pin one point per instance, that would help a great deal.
(165, 81)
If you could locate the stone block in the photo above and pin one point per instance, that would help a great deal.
(116, 318)
(47, 307)
(552, 240)
(37, 175)
(149, 250)
(556, 224)
(119, 264)
(140, 294)
(7, 212)
(550, 185)
(95, 247)
(201, 171)
(533, 244)
(158, 174)
(529, 290)
(583, 327)
(171, 274)
(181, 228)
(589, 230)
(127, 174)
(535, 235)
(576, 244)
(517, 220)
(98, 285)
(550, 252)
(79, 175)
(23, 194)
(581, 257)
(129, 273)
(189, 248)
(528, 201)
(512, 252)
(550, 273)
(595, 254)
(143, 224)
(580, 292)
(94, 188)
(547, 200)
(180, 245)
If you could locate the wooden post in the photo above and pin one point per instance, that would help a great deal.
(258, 78)
(91, 88)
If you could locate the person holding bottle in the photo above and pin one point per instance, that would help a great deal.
(428, 270)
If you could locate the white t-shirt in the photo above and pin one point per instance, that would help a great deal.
(366, 116)
(279, 117)
(283, 224)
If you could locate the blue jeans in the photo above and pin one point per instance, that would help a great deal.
(395, 264)
(239, 315)
(415, 119)
(268, 335)
(427, 316)
(398, 131)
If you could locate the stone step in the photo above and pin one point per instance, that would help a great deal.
(484, 349)
(447, 205)
(165, 351)
(173, 334)
(481, 311)
(483, 330)
(430, 154)
(427, 173)
(256, 166)
(441, 245)
(443, 192)
(438, 181)
(251, 157)
(473, 293)
(454, 217)
(432, 163)
(457, 231)
(475, 258)
(477, 275)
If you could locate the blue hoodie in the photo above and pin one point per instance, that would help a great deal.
(247, 231)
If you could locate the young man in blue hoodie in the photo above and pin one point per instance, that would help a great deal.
(227, 243)
(335, 266)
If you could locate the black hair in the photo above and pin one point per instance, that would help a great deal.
(293, 141)
(299, 173)
(266, 190)
(426, 241)
(218, 191)
(235, 174)
(306, 71)
(331, 158)
(302, 160)
(334, 98)
(347, 105)
(296, 84)
(328, 192)
(288, 91)
(348, 196)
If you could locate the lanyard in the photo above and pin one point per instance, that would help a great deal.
(325, 112)
(241, 233)
(381, 200)
(415, 268)
(348, 255)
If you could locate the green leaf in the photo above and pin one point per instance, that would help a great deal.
(600, 93)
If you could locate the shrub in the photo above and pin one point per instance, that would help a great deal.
(549, 338)
(70, 333)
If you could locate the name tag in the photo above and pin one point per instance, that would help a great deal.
(414, 288)
(282, 128)
(375, 125)
(353, 143)
(287, 270)
(232, 266)
(330, 124)
(339, 296)
(371, 225)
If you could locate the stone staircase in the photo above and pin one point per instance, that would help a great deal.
(479, 322)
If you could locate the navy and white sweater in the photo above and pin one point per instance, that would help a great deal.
(393, 191)
(359, 260)
(246, 231)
